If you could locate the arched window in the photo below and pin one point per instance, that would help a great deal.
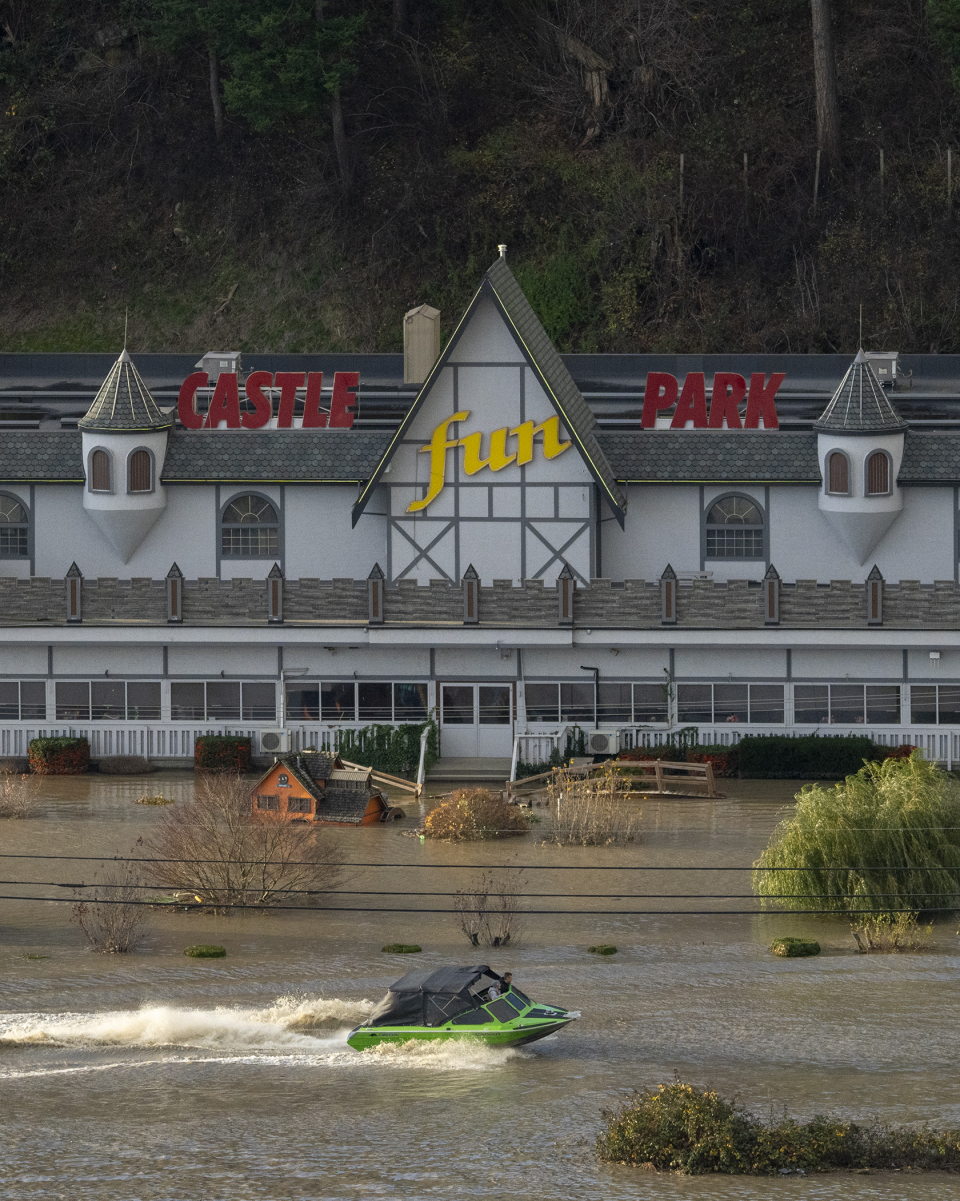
(735, 529)
(878, 474)
(101, 471)
(838, 473)
(14, 529)
(140, 470)
(250, 529)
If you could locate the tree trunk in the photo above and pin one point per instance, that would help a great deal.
(399, 16)
(340, 143)
(215, 94)
(825, 81)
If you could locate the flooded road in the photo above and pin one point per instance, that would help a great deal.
(157, 1076)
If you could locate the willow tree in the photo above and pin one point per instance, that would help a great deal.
(884, 840)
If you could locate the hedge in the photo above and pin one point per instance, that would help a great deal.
(810, 757)
(59, 756)
(391, 749)
(221, 753)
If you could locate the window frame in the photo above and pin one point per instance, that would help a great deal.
(242, 704)
(763, 704)
(89, 683)
(706, 526)
(111, 467)
(866, 472)
(276, 554)
(153, 472)
(33, 716)
(826, 474)
(26, 526)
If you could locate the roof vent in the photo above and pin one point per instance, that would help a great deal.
(421, 343)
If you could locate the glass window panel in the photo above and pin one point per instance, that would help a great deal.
(846, 703)
(542, 702)
(143, 700)
(883, 703)
(730, 702)
(337, 702)
(458, 705)
(299, 804)
(250, 542)
(923, 705)
(223, 700)
(495, 704)
(33, 699)
(949, 705)
(576, 703)
(650, 703)
(410, 702)
(109, 699)
(694, 702)
(766, 703)
(268, 802)
(9, 700)
(73, 701)
(811, 704)
(374, 702)
(186, 702)
(303, 702)
(13, 542)
(726, 543)
(614, 704)
(260, 702)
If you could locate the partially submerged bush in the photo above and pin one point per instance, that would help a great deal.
(113, 917)
(18, 796)
(472, 814)
(489, 910)
(14, 766)
(593, 811)
(890, 933)
(59, 756)
(680, 1128)
(221, 753)
(125, 765)
(901, 815)
(402, 948)
(205, 951)
(814, 756)
(604, 948)
(795, 948)
(153, 800)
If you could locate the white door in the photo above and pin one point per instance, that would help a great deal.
(476, 720)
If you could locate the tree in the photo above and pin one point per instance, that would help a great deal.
(945, 28)
(825, 80)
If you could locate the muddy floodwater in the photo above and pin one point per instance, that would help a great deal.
(156, 1076)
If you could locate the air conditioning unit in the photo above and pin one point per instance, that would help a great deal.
(602, 742)
(274, 742)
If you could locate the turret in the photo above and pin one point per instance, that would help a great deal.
(860, 447)
(124, 446)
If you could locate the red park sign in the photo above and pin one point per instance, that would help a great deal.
(729, 390)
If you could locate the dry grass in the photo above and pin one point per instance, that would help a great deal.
(472, 814)
(114, 919)
(593, 811)
(890, 934)
(18, 796)
(489, 910)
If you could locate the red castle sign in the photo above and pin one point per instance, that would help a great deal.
(729, 390)
(225, 402)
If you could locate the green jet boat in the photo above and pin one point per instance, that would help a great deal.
(454, 1002)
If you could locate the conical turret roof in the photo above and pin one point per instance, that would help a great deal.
(124, 402)
(860, 405)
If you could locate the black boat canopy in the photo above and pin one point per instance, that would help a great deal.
(431, 998)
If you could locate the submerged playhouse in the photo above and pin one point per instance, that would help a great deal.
(515, 541)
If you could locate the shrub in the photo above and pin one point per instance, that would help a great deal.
(812, 757)
(401, 948)
(205, 951)
(18, 795)
(221, 753)
(489, 910)
(605, 948)
(125, 765)
(391, 749)
(725, 760)
(472, 814)
(153, 800)
(113, 919)
(695, 1131)
(593, 810)
(59, 756)
(794, 948)
(901, 814)
(890, 933)
(14, 766)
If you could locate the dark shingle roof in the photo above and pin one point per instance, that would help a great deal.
(677, 456)
(124, 402)
(932, 458)
(860, 405)
(264, 456)
(343, 804)
(30, 456)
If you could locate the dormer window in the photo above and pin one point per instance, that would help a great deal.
(838, 473)
(878, 474)
(14, 529)
(101, 471)
(734, 529)
(140, 471)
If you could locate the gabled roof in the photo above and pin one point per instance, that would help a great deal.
(124, 402)
(860, 405)
(546, 364)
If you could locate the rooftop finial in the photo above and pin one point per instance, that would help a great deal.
(126, 318)
(860, 343)
(502, 247)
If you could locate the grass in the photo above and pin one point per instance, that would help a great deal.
(890, 933)
(794, 948)
(401, 948)
(604, 948)
(202, 951)
(693, 1130)
(593, 811)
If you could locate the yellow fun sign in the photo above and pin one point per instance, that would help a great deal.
(499, 456)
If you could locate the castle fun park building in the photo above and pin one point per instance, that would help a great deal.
(520, 543)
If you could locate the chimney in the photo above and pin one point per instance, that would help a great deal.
(421, 343)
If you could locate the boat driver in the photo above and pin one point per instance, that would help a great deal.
(507, 981)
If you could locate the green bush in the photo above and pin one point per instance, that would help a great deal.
(221, 753)
(812, 757)
(680, 1128)
(901, 814)
(401, 948)
(794, 948)
(604, 948)
(59, 756)
(205, 952)
(391, 749)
